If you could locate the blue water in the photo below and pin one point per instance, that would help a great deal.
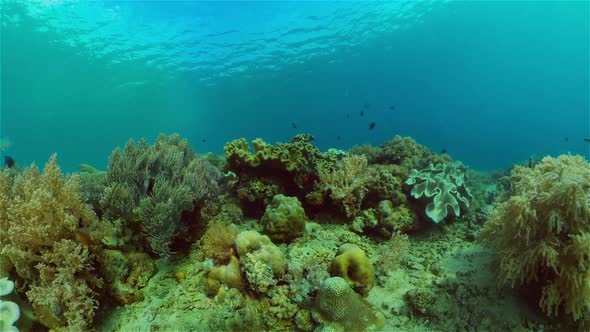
(493, 83)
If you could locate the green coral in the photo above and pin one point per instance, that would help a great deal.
(284, 219)
(154, 185)
(445, 183)
(542, 233)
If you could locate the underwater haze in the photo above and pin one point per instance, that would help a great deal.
(491, 82)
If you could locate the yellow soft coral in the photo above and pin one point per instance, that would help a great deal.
(542, 233)
(40, 217)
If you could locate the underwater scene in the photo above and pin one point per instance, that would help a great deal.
(294, 165)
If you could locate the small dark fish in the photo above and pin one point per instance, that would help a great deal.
(587, 139)
(567, 139)
(443, 151)
(362, 113)
(338, 137)
(293, 125)
(392, 108)
(372, 125)
(204, 140)
(9, 161)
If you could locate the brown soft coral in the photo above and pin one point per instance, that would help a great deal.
(41, 216)
(542, 233)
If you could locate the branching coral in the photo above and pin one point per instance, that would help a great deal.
(40, 218)
(153, 185)
(347, 182)
(542, 233)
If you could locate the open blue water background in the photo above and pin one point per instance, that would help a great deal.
(492, 82)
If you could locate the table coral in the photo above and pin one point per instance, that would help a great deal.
(542, 233)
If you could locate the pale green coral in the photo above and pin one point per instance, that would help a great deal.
(542, 233)
(446, 184)
(284, 219)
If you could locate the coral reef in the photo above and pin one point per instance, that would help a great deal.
(41, 217)
(284, 168)
(445, 184)
(341, 239)
(154, 185)
(541, 234)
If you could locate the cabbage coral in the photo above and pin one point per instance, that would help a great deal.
(445, 183)
(41, 215)
(542, 233)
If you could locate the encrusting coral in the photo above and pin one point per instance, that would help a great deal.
(41, 218)
(155, 184)
(541, 234)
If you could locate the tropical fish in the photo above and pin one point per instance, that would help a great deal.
(9, 161)
(372, 125)
(587, 139)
